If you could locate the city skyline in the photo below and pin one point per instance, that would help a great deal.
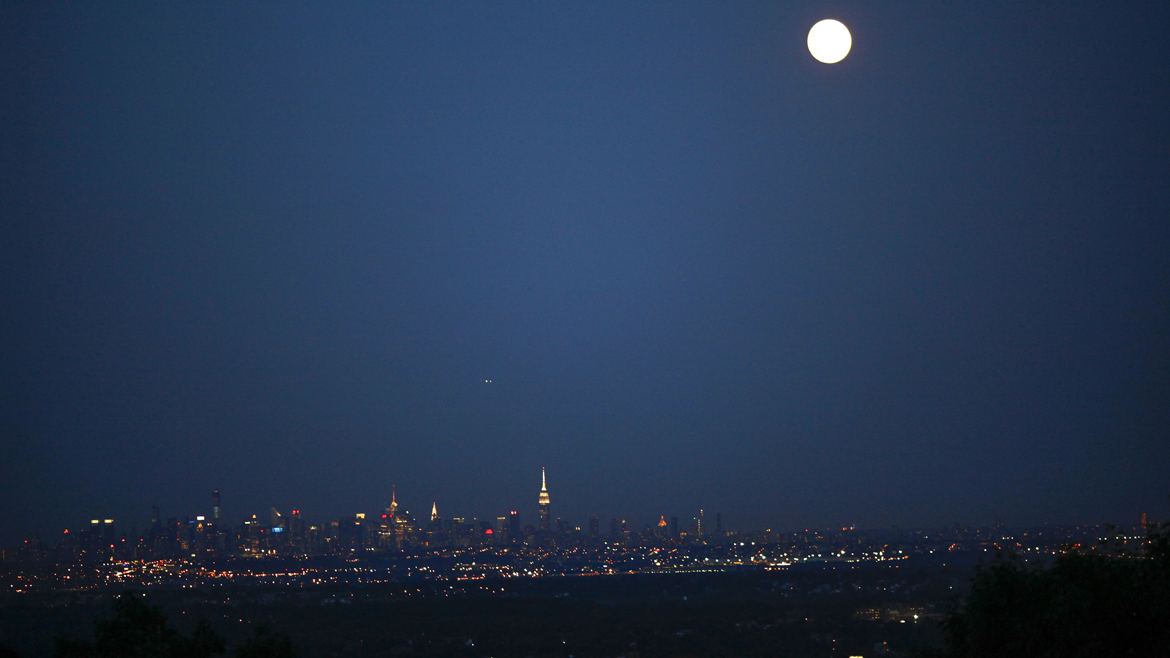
(300, 254)
(538, 522)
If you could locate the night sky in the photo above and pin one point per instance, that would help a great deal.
(276, 250)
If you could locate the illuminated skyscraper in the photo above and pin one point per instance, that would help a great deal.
(514, 525)
(434, 512)
(543, 503)
(215, 506)
(393, 502)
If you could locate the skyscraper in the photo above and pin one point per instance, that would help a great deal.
(215, 506)
(543, 503)
(617, 529)
(514, 525)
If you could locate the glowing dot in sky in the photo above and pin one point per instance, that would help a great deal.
(829, 41)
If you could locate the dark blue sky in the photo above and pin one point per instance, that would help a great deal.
(276, 250)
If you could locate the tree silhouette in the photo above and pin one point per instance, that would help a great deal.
(138, 630)
(1082, 605)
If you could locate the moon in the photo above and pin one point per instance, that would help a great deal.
(829, 41)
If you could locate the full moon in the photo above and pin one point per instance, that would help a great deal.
(829, 41)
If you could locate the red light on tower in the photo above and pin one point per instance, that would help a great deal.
(488, 531)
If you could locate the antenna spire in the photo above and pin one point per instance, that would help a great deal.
(543, 498)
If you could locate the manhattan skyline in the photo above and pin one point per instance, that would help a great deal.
(302, 253)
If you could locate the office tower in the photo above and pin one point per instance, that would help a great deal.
(594, 530)
(674, 527)
(215, 506)
(434, 512)
(155, 522)
(297, 529)
(543, 503)
(276, 518)
(514, 525)
(699, 524)
(393, 502)
(616, 529)
(485, 534)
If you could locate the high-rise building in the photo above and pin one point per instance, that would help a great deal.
(514, 525)
(617, 529)
(543, 503)
(594, 529)
(155, 521)
(674, 527)
(719, 523)
(434, 512)
(215, 506)
(393, 508)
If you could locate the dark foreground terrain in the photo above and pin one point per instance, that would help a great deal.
(810, 611)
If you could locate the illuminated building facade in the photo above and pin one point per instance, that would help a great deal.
(543, 504)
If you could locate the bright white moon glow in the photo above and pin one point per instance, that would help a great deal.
(829, 41)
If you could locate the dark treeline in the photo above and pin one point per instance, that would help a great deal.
(1083, 604)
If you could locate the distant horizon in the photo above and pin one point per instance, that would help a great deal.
(636, 524)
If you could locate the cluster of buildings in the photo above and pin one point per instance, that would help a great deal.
(395, 529)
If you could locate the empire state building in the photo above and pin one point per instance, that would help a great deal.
(543, 503)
